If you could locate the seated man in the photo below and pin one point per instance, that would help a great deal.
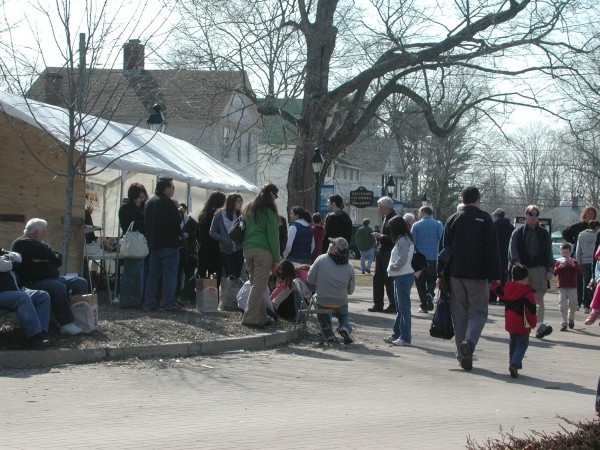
(39, 270)
(32, 307)
(334, 278)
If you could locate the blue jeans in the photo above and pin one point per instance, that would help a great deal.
(32, 308)
(59, 289)
(368, 256)
(165, 262)
(342, 316)
(132, 283)
(402, 324)
(517, 348)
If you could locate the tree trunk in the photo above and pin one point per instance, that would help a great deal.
(320, 43)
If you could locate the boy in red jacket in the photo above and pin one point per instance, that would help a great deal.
(519, 315)
(567, 269)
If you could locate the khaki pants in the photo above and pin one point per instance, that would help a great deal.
(258, 264)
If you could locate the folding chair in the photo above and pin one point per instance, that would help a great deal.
(307, 309)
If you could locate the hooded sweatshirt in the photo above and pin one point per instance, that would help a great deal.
(519, 306)
(334, 277)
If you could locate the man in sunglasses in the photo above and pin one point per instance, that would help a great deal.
(530, 245)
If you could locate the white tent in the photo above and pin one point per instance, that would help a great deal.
(128, 149)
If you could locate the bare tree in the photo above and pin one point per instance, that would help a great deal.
(403, 48)
(86, 34)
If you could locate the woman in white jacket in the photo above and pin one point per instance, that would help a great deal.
(401, 271)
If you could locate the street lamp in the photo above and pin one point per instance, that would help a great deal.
(424, 200)
(317, 165)
(157, 121)
(391, 186)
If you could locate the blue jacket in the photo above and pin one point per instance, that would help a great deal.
(471, 238)
(427, 233)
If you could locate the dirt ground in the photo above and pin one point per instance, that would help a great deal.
(123, 328)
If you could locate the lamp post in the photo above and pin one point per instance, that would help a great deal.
(317, 165)
(390, 186)
(156, 120)
(424, 200)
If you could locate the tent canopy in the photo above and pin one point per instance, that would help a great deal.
(113, 145)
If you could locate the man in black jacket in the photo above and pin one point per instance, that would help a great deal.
(39, 271)
(380, 278)
(164, 236)
(337, 223)
(469, 237)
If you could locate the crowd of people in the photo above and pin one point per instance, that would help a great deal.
(485, 259)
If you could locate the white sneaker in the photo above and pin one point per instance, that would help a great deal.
(389, 339)
(400, 343)
(70, 328)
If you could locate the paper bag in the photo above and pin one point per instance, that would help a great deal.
(207, 295)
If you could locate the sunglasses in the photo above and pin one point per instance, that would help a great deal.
(533, 214)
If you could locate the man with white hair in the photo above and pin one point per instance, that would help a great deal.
(39, 270)
(385, 206)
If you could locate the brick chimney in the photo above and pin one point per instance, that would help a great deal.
(53, 89)
(133, 57)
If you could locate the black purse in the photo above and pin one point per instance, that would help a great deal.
(418, 262)
(238, 230)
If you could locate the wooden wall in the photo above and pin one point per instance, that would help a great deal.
(30, 190)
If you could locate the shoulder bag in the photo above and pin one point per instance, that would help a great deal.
(238, 230)
(133, 244)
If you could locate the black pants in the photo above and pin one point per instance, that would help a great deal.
(381, 280)
(426, 283)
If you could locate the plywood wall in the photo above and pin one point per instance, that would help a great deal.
(29, 189)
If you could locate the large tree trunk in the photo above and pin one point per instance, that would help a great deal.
(320, 42)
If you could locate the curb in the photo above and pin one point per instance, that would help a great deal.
(56, 357)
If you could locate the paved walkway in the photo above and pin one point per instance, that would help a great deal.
(367, 395)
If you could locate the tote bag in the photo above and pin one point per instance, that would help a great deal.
(441, 324)
(133, 244)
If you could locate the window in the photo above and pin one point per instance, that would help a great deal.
(249, 147)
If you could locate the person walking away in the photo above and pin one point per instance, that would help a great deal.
(530, 246)
(381, 280)
(571, 233)
(567, 269)
(584, 253)
(300, 240)
(334, 279)
(470, 240)
(209, 253)
(401, 271)
(261, 251)
(519, 315)
(409, 218)
(132, 280)
(163, 232)
(232, 256)
(365, 242)
(427, 233)
(319, 235)
(337, 222)
(504, 231)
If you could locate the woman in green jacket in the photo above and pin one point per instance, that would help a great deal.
(261, 251)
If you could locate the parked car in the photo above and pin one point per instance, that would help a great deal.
(353, 252)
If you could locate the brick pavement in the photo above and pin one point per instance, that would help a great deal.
(368, 395)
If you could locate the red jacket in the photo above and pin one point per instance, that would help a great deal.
(567, 274)
(519, 305)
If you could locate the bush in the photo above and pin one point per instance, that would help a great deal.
(586, 436)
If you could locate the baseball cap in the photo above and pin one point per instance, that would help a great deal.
(341, 243)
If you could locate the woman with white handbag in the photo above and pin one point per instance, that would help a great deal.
(131, 215)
